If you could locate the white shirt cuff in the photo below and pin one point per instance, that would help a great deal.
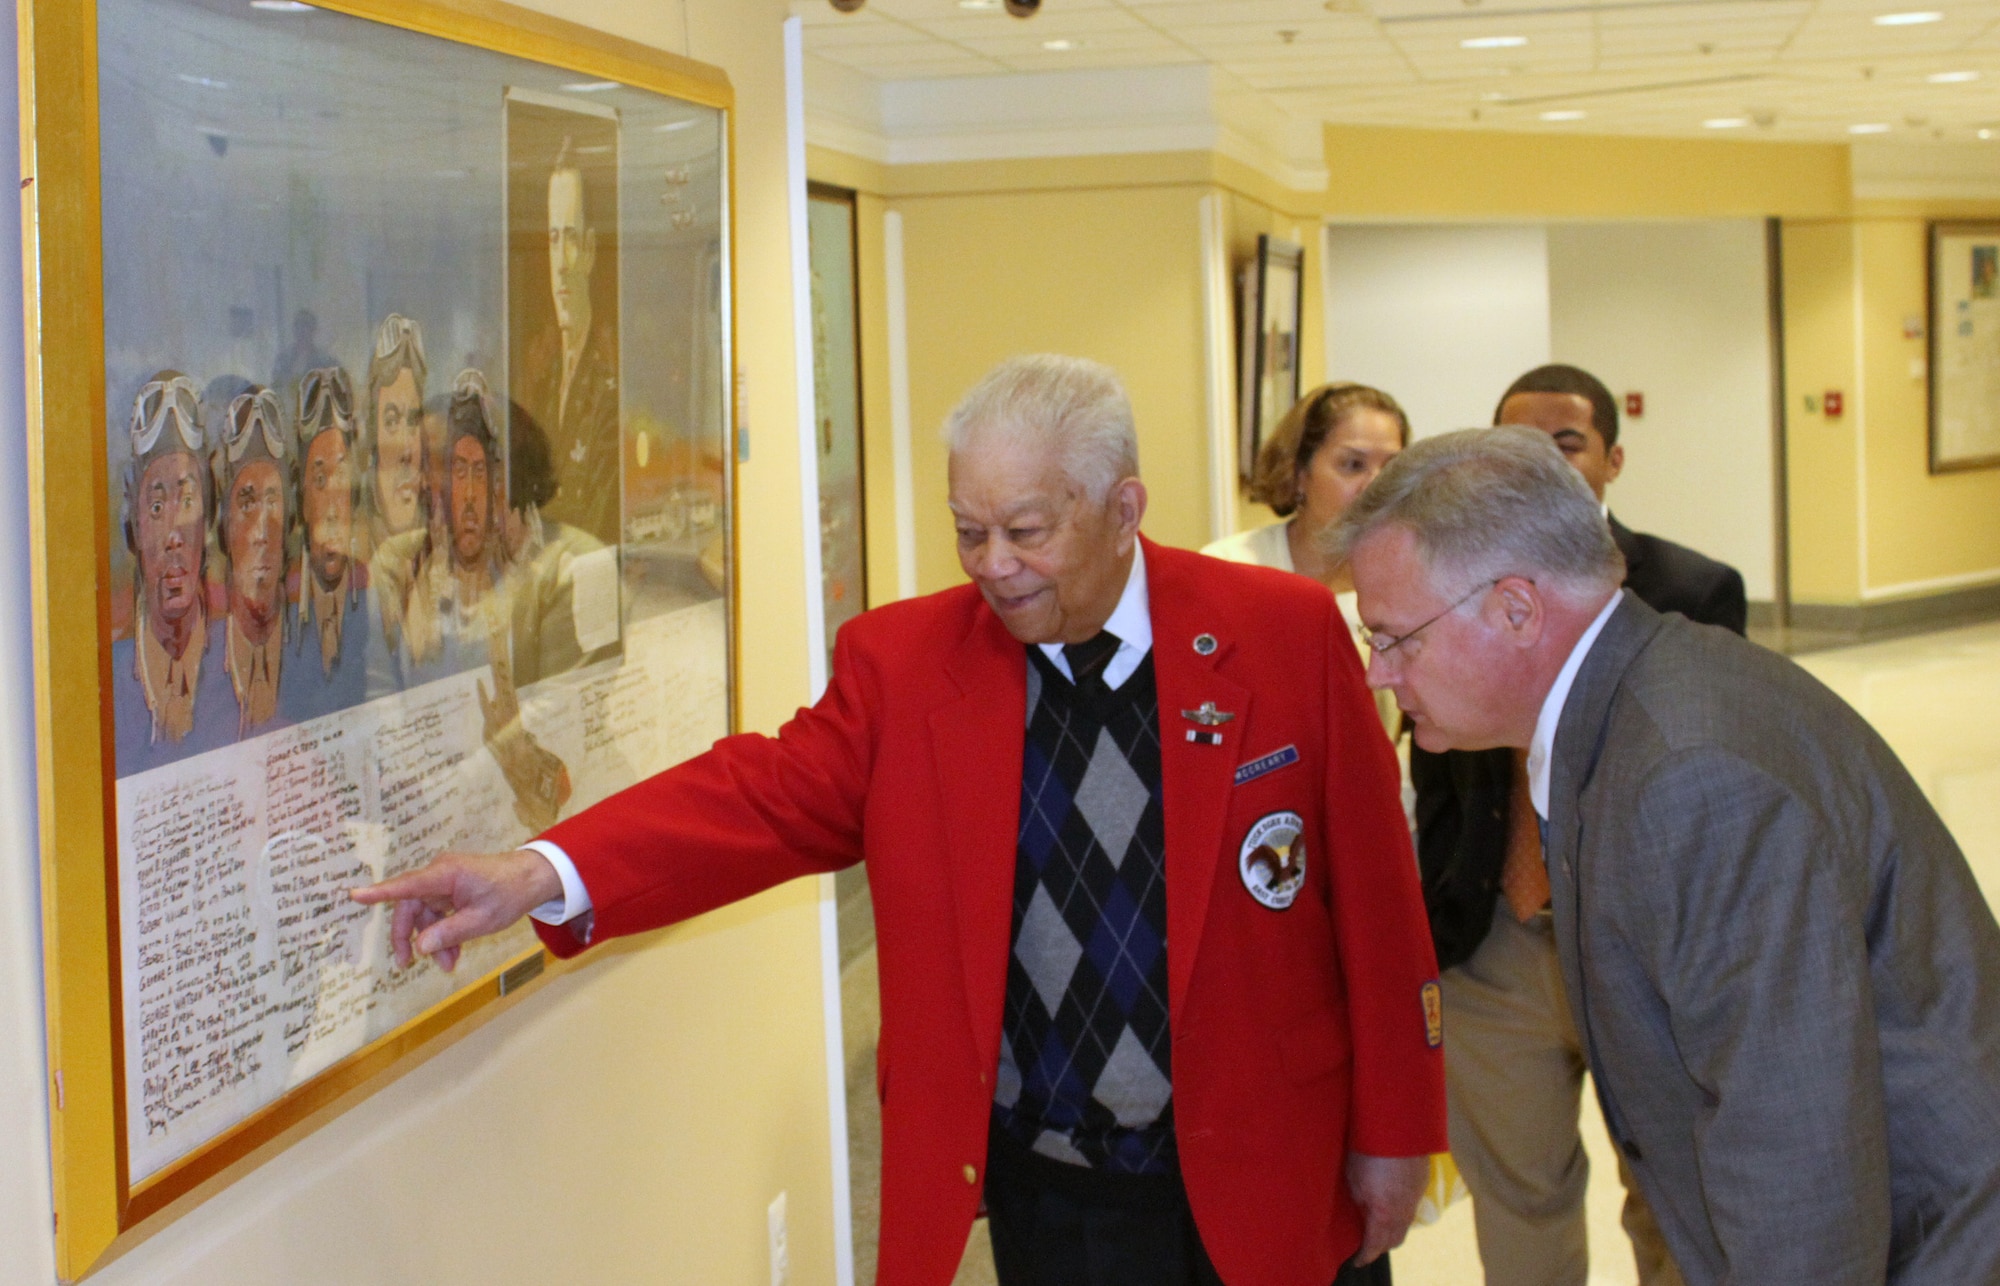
(575, 899)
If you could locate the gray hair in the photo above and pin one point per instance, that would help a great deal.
(1077, 405)
(1487, 503)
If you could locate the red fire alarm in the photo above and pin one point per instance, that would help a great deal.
(1635, 404)
(1831, 402)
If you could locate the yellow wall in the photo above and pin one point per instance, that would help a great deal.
(1870, 522)
(1823, 489)
(1386, 172)
(1923, 528)
(629, 1120)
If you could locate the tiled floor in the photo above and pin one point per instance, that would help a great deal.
(1934, 697)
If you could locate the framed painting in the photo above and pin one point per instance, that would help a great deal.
(1273, 298)
(836, 309)
(1964, 346)
(380, 402)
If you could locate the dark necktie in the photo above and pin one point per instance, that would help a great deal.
(1088, 659)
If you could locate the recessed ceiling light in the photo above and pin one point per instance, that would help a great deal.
(1059, 46)
(1875, 127)
(281, 6)
(977, 5)
(1986, 133)
(591, 86)
(1567, 114)
(1493, 42)
(1915, 18)
(1951, 77)
(1726, 122)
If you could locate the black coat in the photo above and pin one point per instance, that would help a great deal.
(1462, 795)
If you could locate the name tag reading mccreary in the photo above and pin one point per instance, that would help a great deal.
(1280, 758)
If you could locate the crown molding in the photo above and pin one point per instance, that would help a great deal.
(1038, 115)
(1911, 171)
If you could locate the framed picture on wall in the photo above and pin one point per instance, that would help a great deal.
(1964, 346)
(831, 232)
(380, 407)
(1272, 293)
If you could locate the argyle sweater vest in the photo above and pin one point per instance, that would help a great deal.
(1085, 1071)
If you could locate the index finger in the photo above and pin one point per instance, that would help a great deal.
(429, 882)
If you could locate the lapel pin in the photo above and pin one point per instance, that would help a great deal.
(1208, 716)
(1204, 644)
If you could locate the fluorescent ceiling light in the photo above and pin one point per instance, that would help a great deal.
(1566, 114)
(1915, 18)
(671, 126)
(281, 6)
(206, 82)
(1493, 42)
(1873, 128)
(591, 86)
(1058, 46)
(978, 4)
(1951, 77)
(1726, 122)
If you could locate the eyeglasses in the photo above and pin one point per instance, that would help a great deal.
(160, 401)
(249, 415)
(1381, 644)
(326, 399)
(398, 332)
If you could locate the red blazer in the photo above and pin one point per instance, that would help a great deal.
(1298, 1033)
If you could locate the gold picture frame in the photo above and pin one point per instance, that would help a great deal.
(73, 518)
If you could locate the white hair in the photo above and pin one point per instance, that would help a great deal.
(1487, 503)
(1078, 406)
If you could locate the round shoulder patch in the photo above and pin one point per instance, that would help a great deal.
(1272, 861)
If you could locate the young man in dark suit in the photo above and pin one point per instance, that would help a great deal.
(1515, 1065)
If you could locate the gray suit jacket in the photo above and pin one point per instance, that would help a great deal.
(1786, 979)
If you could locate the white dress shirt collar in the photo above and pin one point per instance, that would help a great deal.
(1131, 621)
(1543, 744)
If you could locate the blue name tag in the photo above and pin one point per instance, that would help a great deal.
(1269, 763)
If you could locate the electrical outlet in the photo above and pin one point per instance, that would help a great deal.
(781, 1256)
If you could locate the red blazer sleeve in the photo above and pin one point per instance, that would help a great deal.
(1384, 937)
(751, 813)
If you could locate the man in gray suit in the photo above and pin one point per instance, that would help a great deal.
(1786, 980)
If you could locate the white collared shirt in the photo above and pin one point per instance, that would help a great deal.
(1131, 621)
(1543, 744)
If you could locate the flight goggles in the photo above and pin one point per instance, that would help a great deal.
(161, 402)
(398, 332)
(254, 415)
(326, 401)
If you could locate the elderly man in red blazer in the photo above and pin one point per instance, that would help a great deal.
(1156, 978)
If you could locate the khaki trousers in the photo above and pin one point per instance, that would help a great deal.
(1514, 1084)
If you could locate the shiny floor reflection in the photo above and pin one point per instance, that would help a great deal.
(1936, 699)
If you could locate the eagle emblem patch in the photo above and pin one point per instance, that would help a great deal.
(1273, 859)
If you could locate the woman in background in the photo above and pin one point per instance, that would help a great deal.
(1322, 455)
(1319, 458)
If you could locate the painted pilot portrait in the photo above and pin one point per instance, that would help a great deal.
(395, 428)
(326, 669)
(166, 693)
(254, 473)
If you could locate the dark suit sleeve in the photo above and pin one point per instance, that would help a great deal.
(1743, 913)
(1725, 603)
(750, 814)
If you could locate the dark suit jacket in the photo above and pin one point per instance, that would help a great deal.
(1781, 967)
(1462, 796)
